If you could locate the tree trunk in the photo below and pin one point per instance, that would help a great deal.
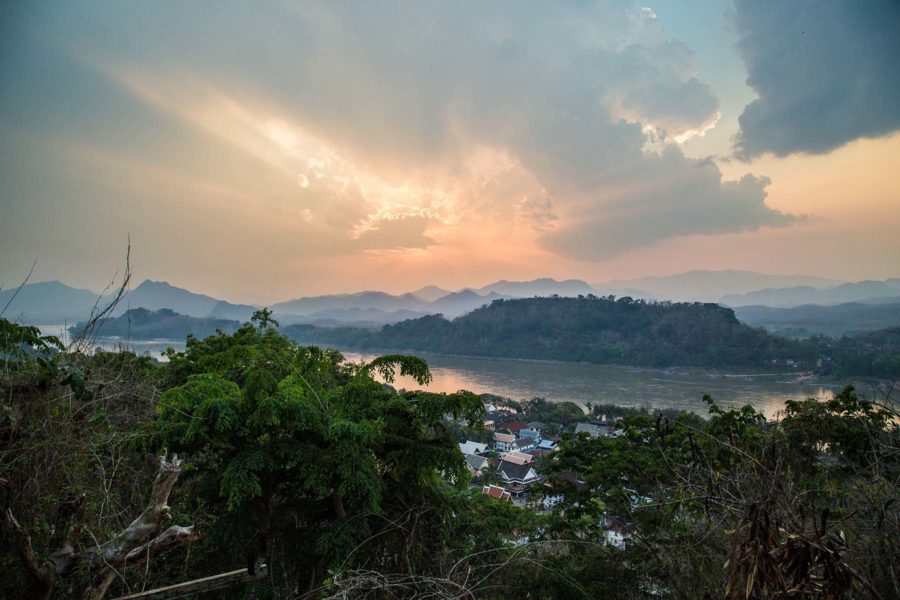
(338, 501)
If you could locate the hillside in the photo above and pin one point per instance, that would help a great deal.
(144, 324)
(426, 300)
(52, 302)
(590, 329)
(812, 319)
(873, 354)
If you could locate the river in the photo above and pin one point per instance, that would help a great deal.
(680, 388)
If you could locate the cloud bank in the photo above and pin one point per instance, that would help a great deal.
(337, 129)
(826, 73)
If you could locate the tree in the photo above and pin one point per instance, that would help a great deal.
(70, 479)
(298, 449)
(801, 507)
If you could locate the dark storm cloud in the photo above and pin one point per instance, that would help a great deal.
(826, 72)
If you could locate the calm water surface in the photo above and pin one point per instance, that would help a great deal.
(678, 388)
(609, 384)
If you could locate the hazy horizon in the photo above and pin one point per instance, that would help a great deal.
(113, 284)
(273, 151)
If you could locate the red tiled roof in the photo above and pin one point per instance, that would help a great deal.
(496, 492)
(515, 426)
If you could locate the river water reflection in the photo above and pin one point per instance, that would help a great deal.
(609, 384)
(679, 388)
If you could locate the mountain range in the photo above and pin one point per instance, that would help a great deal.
(835, 321)
(705, 286)
(55, 303)
(869, 292)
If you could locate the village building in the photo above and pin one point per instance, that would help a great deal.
(503, 442)
(517, 478)
(517, 457)
(515, 427)
(469, 447)
(476, 464)
(593, 429)
(532, 434)
(548, 445)
(496, 492)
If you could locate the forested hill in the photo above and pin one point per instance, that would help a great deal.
(144, 324)
(591, 329)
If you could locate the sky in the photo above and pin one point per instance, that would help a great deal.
(267, 150)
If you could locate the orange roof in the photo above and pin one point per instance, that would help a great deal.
(496, 492)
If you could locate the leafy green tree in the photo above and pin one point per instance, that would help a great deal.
(299, 449)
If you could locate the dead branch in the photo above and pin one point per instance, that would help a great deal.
(82, 339)
(131, 547)
(19, 288)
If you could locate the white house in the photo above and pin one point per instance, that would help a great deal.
(472, 448)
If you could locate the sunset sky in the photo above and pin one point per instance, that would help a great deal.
(266, 150)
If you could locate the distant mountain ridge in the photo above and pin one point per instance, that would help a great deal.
(861, 291)
(156, 295)
(51, 303)
(430, 293)
(450, 304)
(850, 318)
(48, 303)
(537, 287)
(705, 286)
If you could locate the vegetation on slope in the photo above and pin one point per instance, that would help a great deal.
(590, 329)
(347, 488)
(623, 331)
(145, 324)
(812, 319)
(874, 354)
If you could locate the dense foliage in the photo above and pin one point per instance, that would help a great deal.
(803, 507)
(623, 331)
(872, 354)
(598, 330)
(834, 321)
(348, 488)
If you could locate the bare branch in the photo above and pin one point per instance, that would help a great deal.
(19, 288)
